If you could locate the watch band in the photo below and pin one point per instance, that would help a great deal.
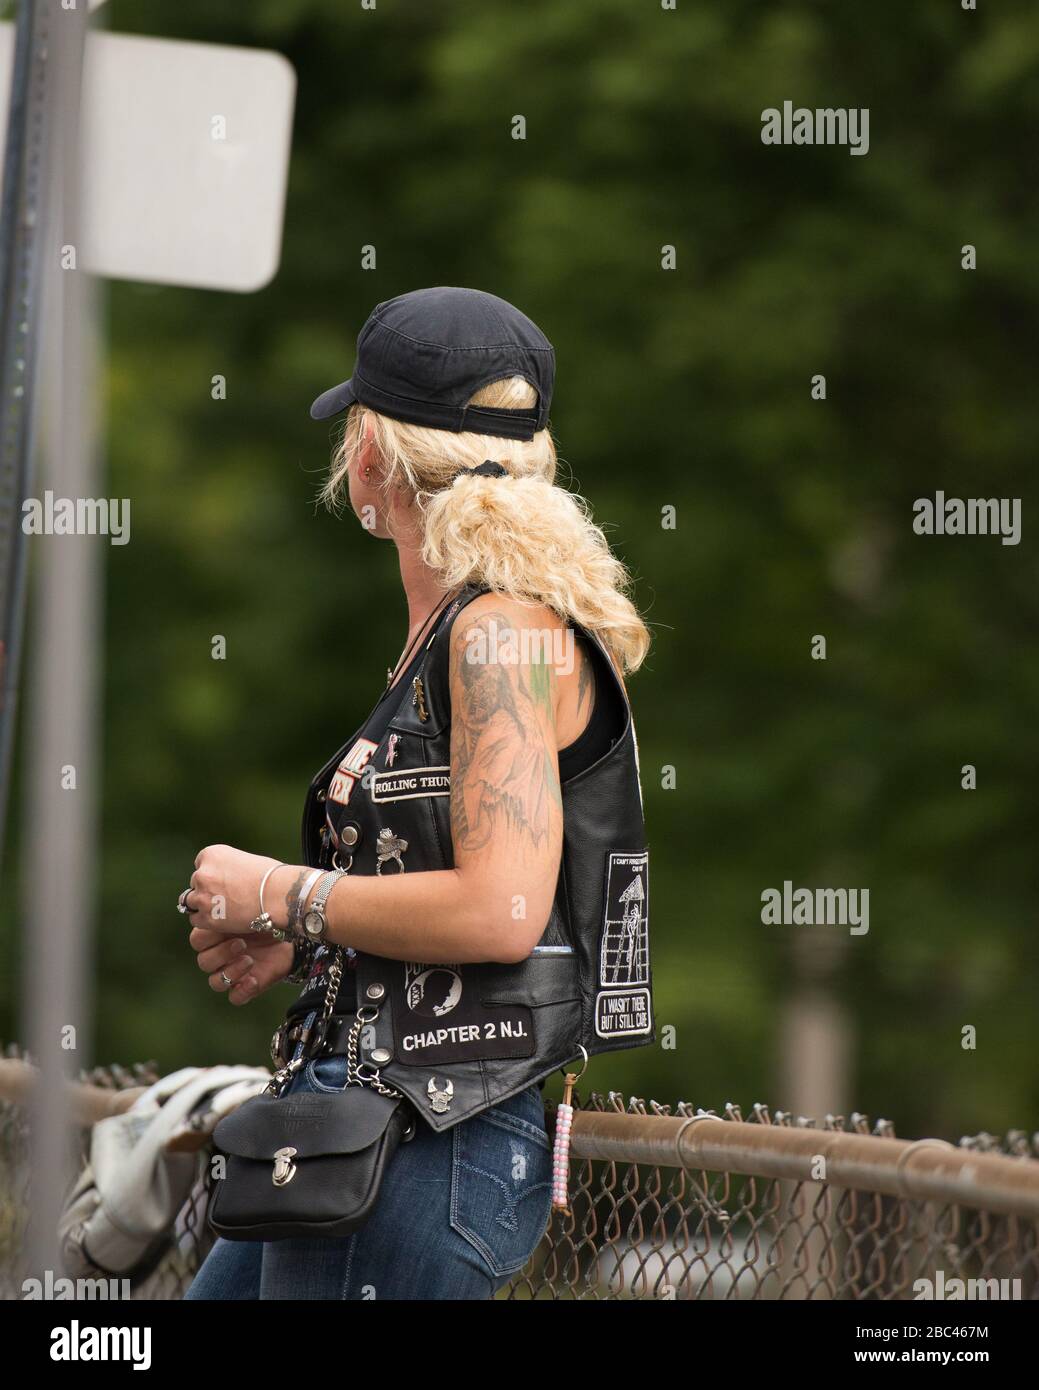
(301, 900)
(314, 924)
(302, 961)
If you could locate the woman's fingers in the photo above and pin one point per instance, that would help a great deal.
(238, 968)
(232, 974)
(268, 967)
(201, 937)
(223, 953)
(248, 987)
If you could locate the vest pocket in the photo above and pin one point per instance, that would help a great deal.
(501, 1195)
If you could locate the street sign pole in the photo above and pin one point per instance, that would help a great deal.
(150, 160)
(22, 214)
(62, 766)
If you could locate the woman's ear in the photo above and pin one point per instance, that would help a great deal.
(366, 453)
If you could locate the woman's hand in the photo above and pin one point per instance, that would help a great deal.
(225, 890)
(240, 968)
(223, 899)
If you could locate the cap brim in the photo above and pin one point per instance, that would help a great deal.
(332, 402)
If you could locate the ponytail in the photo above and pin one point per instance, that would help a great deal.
(520, 535)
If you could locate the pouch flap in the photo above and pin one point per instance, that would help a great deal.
(342, 1122)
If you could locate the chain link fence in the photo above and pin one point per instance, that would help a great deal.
(678, 1203)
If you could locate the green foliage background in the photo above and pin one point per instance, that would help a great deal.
(688, 388)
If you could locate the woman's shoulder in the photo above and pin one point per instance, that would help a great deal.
(520, 612)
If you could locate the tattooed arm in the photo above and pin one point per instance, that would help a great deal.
(506, 805)
(506, 821)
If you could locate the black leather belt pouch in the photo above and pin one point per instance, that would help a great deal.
(304, 1164)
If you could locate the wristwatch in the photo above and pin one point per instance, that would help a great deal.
(314, 922)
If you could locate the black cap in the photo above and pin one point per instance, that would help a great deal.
(421, 356)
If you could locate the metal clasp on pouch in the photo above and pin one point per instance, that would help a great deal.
(284, 1168)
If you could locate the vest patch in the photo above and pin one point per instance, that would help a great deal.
(405, 783)
(350, 770)
(622, 1013)
(436, 1022)
(620, 1010)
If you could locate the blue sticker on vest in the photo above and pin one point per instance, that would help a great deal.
(622, 1009)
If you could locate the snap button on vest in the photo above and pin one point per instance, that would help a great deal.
(349, 835)
(381, 1055)
(376, 991)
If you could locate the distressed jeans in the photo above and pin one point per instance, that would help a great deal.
(459, 1213)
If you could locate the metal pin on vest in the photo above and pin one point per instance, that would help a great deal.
(440, 1097)
(419, 699)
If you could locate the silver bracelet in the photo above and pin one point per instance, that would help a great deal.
(314, 922)
(265, 922)
(301, 902)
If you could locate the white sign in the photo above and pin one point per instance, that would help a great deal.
(187, 154)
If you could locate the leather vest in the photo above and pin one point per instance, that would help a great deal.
(457, 1039)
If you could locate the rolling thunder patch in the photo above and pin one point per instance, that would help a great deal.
(409, 782)
(622, 1004)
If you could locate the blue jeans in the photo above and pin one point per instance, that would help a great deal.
(459, 1213)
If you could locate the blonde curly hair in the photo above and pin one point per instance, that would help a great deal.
(521, 536)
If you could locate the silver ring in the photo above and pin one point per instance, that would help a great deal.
(227, 982)
(182, 905)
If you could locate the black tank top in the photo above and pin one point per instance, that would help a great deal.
(604, 727)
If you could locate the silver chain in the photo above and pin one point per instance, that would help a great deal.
(363, 1073)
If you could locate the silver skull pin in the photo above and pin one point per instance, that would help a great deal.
(440, 1099)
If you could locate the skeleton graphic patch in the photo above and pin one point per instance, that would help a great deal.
(622, 1009)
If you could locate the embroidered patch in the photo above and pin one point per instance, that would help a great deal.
(436, 1021)
(349, 771)
(408, 782)
(621, 1010)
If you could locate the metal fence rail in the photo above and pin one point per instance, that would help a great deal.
(693, 1205)
(679, 1203)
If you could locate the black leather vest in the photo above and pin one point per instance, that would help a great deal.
(461, 1038)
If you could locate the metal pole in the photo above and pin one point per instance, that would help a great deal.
(61, 767)
(22, 214)
(923, 1170)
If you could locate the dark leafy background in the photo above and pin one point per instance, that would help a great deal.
(689, 388)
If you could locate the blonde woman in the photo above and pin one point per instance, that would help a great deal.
(471, 912)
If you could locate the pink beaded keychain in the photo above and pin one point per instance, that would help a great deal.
(561, 1146)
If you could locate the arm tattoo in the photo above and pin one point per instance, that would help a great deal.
(505, 779)
(292, 896)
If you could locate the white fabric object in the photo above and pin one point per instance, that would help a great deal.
(127, 1199)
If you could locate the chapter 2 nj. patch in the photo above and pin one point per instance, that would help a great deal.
(439, 1017)
(622, 1004)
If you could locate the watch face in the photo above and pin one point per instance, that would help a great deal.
(313, 923)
